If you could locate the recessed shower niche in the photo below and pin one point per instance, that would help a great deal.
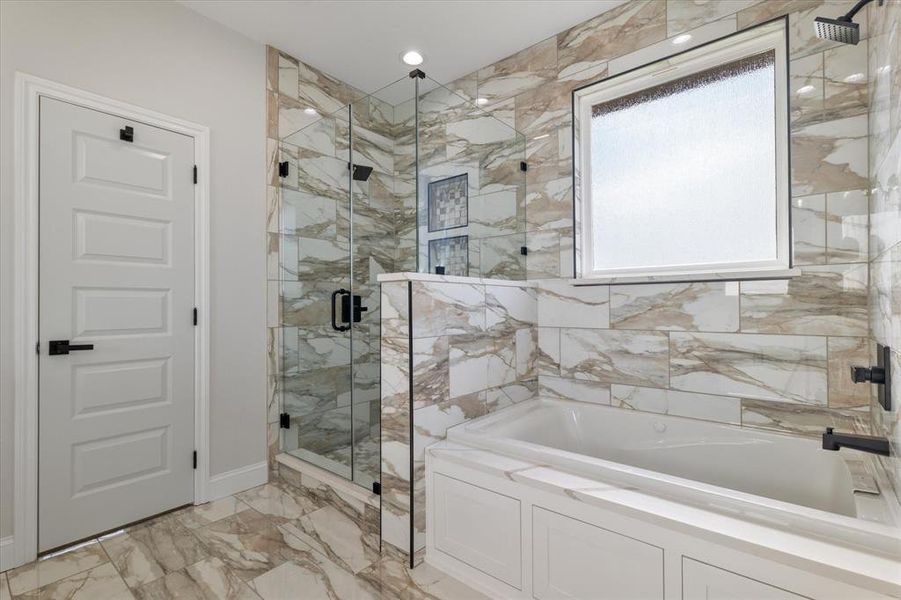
(414, 177)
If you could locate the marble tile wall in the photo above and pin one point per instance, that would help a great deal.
(884, 97)
(769, 354)
(465, 347)
(311, 255)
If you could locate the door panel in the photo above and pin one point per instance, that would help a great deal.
(116, 271)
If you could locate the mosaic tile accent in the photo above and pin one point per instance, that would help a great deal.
(451, 253)
(449, 203)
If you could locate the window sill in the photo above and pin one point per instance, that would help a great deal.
(690, 277)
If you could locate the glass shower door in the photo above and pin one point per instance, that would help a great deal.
(317, 302)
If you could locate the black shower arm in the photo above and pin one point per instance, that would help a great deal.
(856, 9)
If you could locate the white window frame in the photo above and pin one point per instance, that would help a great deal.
(769, 36)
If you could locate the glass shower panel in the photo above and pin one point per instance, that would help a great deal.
(317, 370)
(471, 187)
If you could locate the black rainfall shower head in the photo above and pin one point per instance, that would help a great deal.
(361, 172)
(837, 30)
(842, 29)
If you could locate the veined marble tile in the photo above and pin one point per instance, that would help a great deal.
(309, 216)
(430, 371)
(809, 230)
(399, 581)
(543, 260)
(500, 213)
(682, 15)
(806, 89)
(323, 176)
(394, 309)
(336, 536)
(206, 580)
(830, 156)
(317, 577)
(146, 553)
(272, 58)
(700, 306)
(430, 424)
(623, 29)
(885, 298)
(629, 357)
(249, 545)
(549, 205)
(323, 92)
(508, 395)
(663, 49)
(722, 409)
(55, 566)
(561, 304)
(765, 367)
(322, 260)
(509, 308)
(470, 356)
(99, 582)
(288, 76)
(526, 341)
(845, 352)
(293, 122)
(276, 504)
(548, 351)
(447, 308)
(846, 80)
(501, 258)
(885, 200)
(573, 389)
(801, 420)
(525, 70)
(204, 514)
(847, 226)
(823, 300)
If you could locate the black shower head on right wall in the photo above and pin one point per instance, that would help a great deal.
(842, 29)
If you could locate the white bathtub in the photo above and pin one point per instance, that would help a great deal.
(769, 478)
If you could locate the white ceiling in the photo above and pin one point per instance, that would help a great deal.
(360, 42)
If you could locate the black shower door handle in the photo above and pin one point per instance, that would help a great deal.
(345, 297)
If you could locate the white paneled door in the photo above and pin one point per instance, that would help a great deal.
(116, 322)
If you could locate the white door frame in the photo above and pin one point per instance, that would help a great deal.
(28, 92)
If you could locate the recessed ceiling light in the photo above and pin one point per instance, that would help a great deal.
(412, 58)
(805, 90)
(481, 101)
(681, 39)
(310, 111)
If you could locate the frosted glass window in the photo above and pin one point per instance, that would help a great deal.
(684, 176)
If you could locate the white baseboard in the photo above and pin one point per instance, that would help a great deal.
(238, 480)
(7, 553)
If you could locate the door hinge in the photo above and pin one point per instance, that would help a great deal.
(376, 488)
(284, 421)
(523, 166)
(195, 173)
(195, 459)
(283, 169)
(37, 348)
(195, 316)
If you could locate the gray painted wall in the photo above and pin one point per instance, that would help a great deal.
(164, 57)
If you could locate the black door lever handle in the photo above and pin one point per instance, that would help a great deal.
(64, 347)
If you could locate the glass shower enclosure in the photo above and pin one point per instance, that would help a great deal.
(414, 177)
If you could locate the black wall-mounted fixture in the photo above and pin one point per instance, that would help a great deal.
(283, 169)
(361, 172)
(439, 270)
(842, 29)
(524, 250)
(523, 166)
(880, 374)
(127, 134)
(865, 443)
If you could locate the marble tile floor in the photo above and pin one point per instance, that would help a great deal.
(255, 545)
